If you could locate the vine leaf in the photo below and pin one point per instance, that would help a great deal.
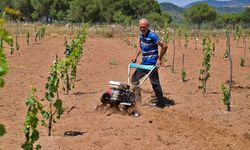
(59, 108)
(2, 130)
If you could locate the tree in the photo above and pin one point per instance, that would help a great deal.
(142, 8)
(87, 11)
(59, 9)
(231, 19)
(119, 17)
(246, 15)
(6, 3)
(96, 11)
(111, 10)
(200, 13)
(158, 20)
(11, 14)
(25, 7)
(42, 8)
(167, 17)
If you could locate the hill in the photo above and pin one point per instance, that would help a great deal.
(222, 10)
(227, 4)
(235, 6)
(174, 10)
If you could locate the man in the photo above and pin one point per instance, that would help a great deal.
(148, 46)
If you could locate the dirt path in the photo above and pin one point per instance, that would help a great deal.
(195, 122)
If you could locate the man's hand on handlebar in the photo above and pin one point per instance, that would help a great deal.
(133, 60)
(158, 63)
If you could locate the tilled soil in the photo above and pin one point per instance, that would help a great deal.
(195, 122)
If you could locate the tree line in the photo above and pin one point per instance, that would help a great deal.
(203, 13)
(115, 11)
(94, 11)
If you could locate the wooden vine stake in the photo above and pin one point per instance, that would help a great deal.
(227, 91)
(173, 61)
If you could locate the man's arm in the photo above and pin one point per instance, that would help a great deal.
(137, 53)
(163, 50)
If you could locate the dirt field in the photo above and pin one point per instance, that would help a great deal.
(195, 122)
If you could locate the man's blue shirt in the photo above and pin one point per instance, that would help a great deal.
(149, 47)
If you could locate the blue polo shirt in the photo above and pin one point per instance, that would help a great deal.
(149, 47)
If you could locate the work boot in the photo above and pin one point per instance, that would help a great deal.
(164, 102)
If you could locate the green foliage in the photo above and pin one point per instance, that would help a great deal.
(40, 34)
(227, 92)
(183, 75)
(34, 16)
(231, 18)
(25, 8)
(52, 95)
(36, 36)
(166, 35)
(166, 40)
(207, 54)
(200, 13)
(27, 35)
(11, 14)
(87, 10)
(175, 11)
(186, 36)
(238, 34)
(31, 122)
(59, 9)
(17, 43)
(67, 47)
(3, 66)
(109, 10)
(73, 55)
(96, 11)
(159, 20)
(2, 130)
(226, 97)
(120, 18)
(246, 15)
(5, 36)
(42, 8)
(245, 46)
(242, 62)
(64, 66)
(53, 82)
(179, 35)
(226, 54)
(5, 3)
(64, 69)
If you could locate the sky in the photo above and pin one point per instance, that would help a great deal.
(181, 2)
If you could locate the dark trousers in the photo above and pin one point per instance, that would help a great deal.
(154, 79)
